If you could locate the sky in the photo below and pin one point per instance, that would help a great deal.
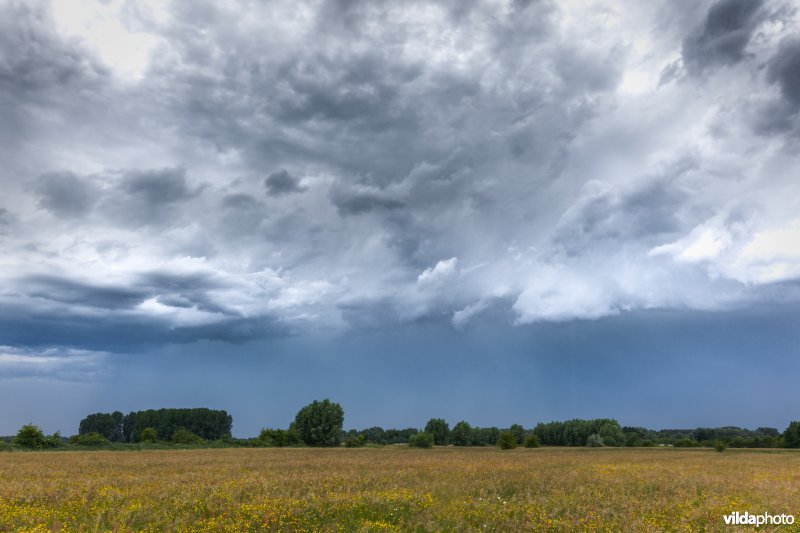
(497, 211)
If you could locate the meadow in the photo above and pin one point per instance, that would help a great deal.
(394, 488)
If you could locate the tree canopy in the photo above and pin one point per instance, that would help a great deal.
(320, 423)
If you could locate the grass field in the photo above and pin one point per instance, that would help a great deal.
(394, 488)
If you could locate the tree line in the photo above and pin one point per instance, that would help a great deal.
(320, 423)
(208, 424)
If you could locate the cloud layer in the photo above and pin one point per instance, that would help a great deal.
(233, 171)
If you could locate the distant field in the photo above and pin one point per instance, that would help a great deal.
(394, 488)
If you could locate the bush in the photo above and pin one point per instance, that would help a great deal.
(30, 436)
(89, 439)
(685, 443)
(148, 435)
(532, 441)
(354, 441)
(184, 436)
(594, 441)
(720, 445)
(4, 446)
(507, 440)
(320, 423)
(421, 440)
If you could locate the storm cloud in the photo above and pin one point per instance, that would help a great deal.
(336, 167)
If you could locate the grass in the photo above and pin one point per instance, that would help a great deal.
(393, 488)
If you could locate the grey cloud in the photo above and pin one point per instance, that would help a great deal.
(22, 325)
(281, 182)
(722, 38)
(147, 197)
(360, 200)
(784, 69)
(65, 194)
(160, 186)
(77, 293)
(34, 57)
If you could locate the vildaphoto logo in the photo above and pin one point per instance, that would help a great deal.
(743, 519)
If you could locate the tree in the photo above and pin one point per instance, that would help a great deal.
(30, 436)
(461, 434)
(439, 429)
(89, 439)
(148, 435)
(421, 440)
(184, 436)
(532, 441)
(518, 431)
(594, 440)
(320, 423)
(507, 440)
(791, 437)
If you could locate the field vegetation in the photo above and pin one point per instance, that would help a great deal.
(393, 488)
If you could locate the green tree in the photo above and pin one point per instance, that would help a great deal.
(518, 431)
(594, 440)
(184, 436)
(30, 436)
(320, 423)
(439, 429)
(507, 440)
(89, 439)
(461, 434)
(421, 440)
(148, 435)
(791, 437)
(532, 441)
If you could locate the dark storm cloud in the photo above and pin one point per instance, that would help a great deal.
(722, 38)
(488, 141)
(359, 200)
(281, 182)
(147, 197)
(160, 186)
(64, 194)
(24, 325)
(82, 294)
(35, 59)
(784, 69)
(648, 214)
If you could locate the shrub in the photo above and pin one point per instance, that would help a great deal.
(354, 441)
(184, 436)
(532, 441)
(89, 439)
(273, 437)
(507, 440)
(148, 435)
(30, 436)
(4, 446)
(320, 423)
(421, 440)
(594, 441)
(720, 445)
(685, 443)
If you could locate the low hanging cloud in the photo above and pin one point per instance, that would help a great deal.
(325, 167)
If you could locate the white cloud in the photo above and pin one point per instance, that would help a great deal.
(441, 271)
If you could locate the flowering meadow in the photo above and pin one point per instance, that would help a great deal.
(393, 488)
